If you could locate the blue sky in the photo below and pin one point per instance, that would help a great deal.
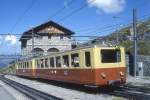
(92, 20)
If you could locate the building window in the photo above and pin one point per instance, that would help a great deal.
(46, 63)
(52, 62)
(87, 59)
(110, 56)
(65, 61)
(75, 60)
(39, 37)
(61, 37)
(58, 61)
(69, 37)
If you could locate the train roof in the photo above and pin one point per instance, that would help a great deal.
(84, 47)
(78, 48)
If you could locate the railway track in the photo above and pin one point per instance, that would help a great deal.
(131, 93)
(30, 92)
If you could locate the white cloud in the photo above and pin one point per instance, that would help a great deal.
(108, 6)
(11, 38)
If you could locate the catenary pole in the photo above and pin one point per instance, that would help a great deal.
(135, 39)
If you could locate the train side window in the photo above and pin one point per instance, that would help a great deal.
(66, 61)
(46, 63)
(52, 64)
(38, 63)
(20, 65)
(87, 59)
(30, 64)
(23, 66)
(42, 63)
(75, 60)
(27, 64)
(58, 61)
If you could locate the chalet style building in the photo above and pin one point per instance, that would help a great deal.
(48, 37)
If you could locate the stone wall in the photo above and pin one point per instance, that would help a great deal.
(146, 64)
(141, 59)
(45, 44)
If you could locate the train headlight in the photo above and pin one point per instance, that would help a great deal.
(103, 75)
(121, 74)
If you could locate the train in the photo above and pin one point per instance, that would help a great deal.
(91, 65)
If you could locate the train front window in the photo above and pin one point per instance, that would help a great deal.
(110, 55)
(75, 60)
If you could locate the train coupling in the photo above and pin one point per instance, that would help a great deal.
(114, 82)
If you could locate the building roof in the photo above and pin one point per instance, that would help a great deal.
(27, 35)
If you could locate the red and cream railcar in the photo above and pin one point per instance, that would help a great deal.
(25, 68)
(99, 66)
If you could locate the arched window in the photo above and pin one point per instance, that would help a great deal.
(53, 50)
(38, 51)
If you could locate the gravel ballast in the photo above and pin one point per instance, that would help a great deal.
(64, 93)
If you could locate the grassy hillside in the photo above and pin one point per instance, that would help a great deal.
(143, 43)
(143, 46)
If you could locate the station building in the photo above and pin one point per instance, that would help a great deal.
(47, 38)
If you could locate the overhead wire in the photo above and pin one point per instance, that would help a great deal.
(22, 16)
(61, 9)
(75, 11)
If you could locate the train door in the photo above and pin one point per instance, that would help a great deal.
(88, 74)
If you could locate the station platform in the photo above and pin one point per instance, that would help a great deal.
(138, 81)
(4, 94)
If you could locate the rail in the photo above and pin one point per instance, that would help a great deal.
(28, 91)
(132, 93)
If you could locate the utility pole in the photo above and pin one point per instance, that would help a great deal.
(135, 39)
(32, 42)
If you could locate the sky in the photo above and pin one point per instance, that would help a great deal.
(97, 17)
